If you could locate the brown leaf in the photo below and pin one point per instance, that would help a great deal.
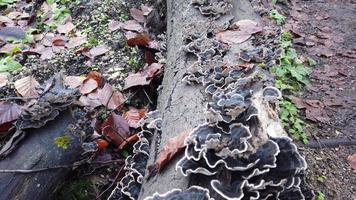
(130, 140)
(114, 25)
(65, 28)
(110, 98)
(26, 86)
(3, 80)
(173, 147)
(352, 161)
(144, 77)
(76, 41)
(59, 41)
(139, 39)
(96, 76)
(137, 15)
(91, 100)
(134, 115)
(9, 112)
(88, 86)
(116, 129)
(46, 53)
(132, 25)
(98, 50)
(73, 81)
(146, 9)
(242, 32)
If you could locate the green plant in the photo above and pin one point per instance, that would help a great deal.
(6, 2)
(8, 64)
(280, 19)
(75, 190)
(320, 196)
(321, 179)
(60, 13)
(133, 59)
(291, 75)
(63, 141)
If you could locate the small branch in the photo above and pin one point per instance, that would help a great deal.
(17, 98)
(26, 171)
(331, 143)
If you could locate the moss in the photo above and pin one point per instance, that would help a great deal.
(63, 141)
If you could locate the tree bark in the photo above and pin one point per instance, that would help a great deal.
(182, 106)
(38, 150)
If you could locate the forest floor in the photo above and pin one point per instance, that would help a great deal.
(324, 30)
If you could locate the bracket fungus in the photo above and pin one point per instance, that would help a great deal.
(129, 186)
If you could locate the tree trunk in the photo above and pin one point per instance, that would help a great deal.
(183, 106)
(38, 150)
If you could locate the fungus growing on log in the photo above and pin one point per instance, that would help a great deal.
(194, 192)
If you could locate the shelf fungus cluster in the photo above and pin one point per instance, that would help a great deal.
(129, 186)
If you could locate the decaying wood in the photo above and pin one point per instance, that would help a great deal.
(38, 150)
(182, 106)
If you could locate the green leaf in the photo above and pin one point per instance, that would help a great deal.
(280, 19)
(7, 64)
(6, 2)
(50, 1)
(320, 196)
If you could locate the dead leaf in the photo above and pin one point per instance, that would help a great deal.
(110, 98)
(98, 50)
(116, 129)
(132, 25)
(9, 112)
(96, 76)
(46, 53)
(3, 80)
(58, 41)
(137, 15)
(139, 39)
(134, 115)
(76, 41)
(130, 140)
(144, 77)
(172, 147)
(243, 30)
(101, 144)
(65, 28)
(88, 86)
(26, 86)
(352, 161)
(146, 9)
(114, 25)
(91, 100)
(73, 81)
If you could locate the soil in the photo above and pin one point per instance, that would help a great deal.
(327, 31)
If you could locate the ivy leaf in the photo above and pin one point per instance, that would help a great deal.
(7, 64)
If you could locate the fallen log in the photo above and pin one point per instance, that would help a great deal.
(38, 150)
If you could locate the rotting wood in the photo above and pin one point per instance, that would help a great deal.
(182, 106)
(38, 150)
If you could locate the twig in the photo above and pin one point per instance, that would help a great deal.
(26, 171)
(115, 180)
(331, 143)
(17, 98)
(148, 97)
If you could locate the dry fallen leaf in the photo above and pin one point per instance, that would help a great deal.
(59, 41)
(98, 50)
(96, 76)
(352, 161)
(88, 86)
(8, 113)
(134, 115)
(110, 98)
(130, 140)
(137, 15)
(143, 77)
(132, 25)
(116, 129)
(73, 81)
(139, 39)
(76, 41)
(26, 86)
(243, 30)
(3, 80)
(172, 147)
(65, 28)
(114, 25)
(91, 100)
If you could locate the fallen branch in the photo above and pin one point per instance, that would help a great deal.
(331, 143)
(25, 171)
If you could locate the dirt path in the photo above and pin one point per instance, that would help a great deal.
(327, 35)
